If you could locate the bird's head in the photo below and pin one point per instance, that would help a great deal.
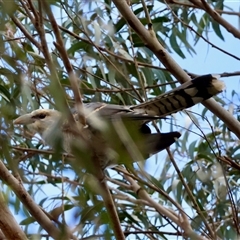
(40, 121)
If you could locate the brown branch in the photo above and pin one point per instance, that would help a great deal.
(119, 169)
(55, 178)
(217, 17)
(28, 202)
(152, 43)
(29, 5)
(95, 167)
(186, 4)
(2, 237)
(110, 52)
(227, 160)
(25, 32)
(181, 220)
(153, 232)
(64, 56)
(111, 209)
(149, 21)
(202, 37)
(230, 74)
(153, 187)
(106, 195)
(190, 194)
(22, 149)
(54, 84)
(127, 89)
(234, 208)
(142, 194)
(8, 224)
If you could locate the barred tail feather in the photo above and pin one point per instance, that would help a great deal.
(182, 97)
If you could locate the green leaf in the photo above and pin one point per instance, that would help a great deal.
(5, 94)
(191, 149)
(202, 26)
(28, 221)
(216, 28)
(175, 45)
(80, 45)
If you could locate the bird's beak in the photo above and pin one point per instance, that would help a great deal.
(24, 119)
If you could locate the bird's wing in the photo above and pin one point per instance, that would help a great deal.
(111, 111)
(182, 97)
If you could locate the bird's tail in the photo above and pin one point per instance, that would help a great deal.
(182, 97)
(157, 142)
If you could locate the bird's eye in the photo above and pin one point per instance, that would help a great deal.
(42, 116)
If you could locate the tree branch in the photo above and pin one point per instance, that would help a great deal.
(28, 202)
(8, 224)
(181, 219)
(61, 48)
(216, 16)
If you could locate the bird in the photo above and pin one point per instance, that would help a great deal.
(51, 125)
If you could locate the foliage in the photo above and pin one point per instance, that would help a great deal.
(190, 192)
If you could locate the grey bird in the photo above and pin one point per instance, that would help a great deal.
(51, 125)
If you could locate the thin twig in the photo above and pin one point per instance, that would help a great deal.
(38, 23)
(202, 37)
(181, 220)
(217, 17)
(64, 56)
(190, 194)
(25, 32)
(186, 4)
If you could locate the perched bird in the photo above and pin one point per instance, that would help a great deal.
(51, 125)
